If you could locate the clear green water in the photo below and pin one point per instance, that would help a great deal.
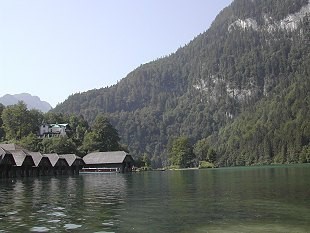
(254, 199)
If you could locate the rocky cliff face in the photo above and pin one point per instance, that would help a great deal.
(290, 22)
(266, 34)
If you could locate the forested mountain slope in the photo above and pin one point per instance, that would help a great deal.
(241, 87)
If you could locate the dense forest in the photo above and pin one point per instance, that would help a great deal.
(237, 94)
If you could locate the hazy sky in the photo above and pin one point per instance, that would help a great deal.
(54, 48)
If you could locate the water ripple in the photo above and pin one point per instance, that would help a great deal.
(39, 229)
(72, 226)
(58, 214)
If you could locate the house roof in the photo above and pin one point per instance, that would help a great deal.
(105, 157)
(70, 158)
(11, 146)
(58, 125)
(63, 124)
(20, 156)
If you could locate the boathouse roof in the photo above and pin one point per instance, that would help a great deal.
(4, 151)
(52, 157)
(72, 159)
(40, 160)
(11, 146)
(106, 157)
(22, 158)
(56, 160)
(36, 156)
(6, 157)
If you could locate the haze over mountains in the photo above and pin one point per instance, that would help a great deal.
(240, 88)
(32, 102)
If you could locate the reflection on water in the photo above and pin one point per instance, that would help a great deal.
(61, 203)
(262, 199)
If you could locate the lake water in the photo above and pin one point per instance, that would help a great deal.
(248, 199)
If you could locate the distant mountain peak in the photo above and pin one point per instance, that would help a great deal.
(32, 102)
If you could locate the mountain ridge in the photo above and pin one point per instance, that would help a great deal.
(32, 102)
(206, 85)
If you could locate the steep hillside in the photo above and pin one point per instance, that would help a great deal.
(253, 51)
(32, 102)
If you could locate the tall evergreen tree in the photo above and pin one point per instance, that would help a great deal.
(181, 153)
(19, 122)
(103, 137)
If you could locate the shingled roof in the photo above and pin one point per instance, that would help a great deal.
(105, 157)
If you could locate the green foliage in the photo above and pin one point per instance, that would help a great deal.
(304, 156)
(89, 143)
(19, 122)
(60, 145)
(143, 161)
(181, 153)
(21, 126)
(2, 132)
(276, 130)
(31, 142)
(51, 117)
(205, 164)
(79, 127)
(103, 137)
(201, 149)
(211, 157)
(173, 167)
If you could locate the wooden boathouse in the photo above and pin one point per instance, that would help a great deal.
(75, 163)
(18, 162)
(60, 165)
(43, 166)
(120, 160)
(24, 164)
(6, 163)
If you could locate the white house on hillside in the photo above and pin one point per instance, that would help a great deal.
(54, 130)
